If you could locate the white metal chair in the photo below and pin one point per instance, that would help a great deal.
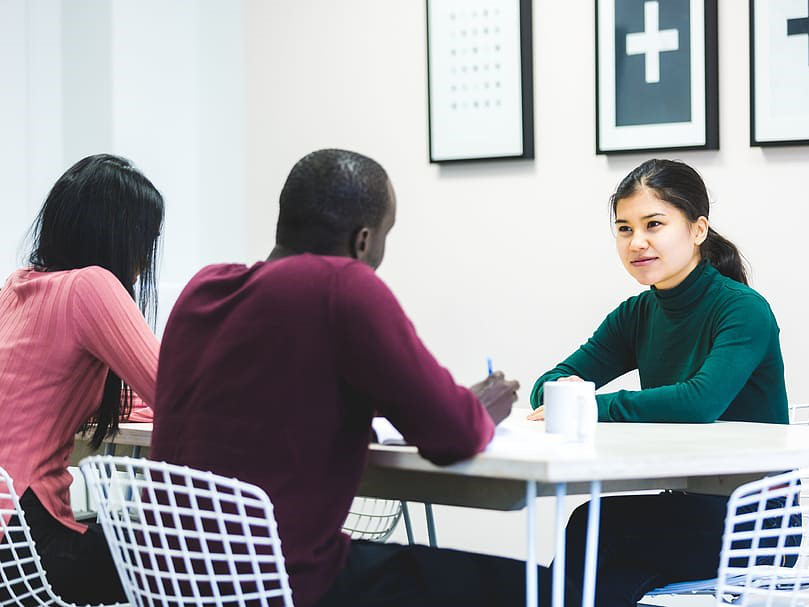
(375, 519)
(760, 562)
(23, 581)
(372, 519)
(798, 414)
(182, 537)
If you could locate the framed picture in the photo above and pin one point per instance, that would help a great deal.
(479, 80)
(656, 75)
(779, 72)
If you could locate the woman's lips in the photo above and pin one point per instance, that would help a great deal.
(643, 261)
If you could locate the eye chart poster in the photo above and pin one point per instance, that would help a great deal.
(479, 79)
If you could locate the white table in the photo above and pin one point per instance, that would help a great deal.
(523, 462)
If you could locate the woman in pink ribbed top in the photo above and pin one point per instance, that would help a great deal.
(73, 346)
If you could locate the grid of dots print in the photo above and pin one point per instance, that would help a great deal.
(476, 50)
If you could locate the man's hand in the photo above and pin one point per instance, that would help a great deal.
(497, 395)
(539, 414)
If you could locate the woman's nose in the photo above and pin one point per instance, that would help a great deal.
(638, 242)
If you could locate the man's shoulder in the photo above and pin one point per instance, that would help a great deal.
(296, 276)
(306, 263)
(218, 271)
(319, 271)
(320, 264)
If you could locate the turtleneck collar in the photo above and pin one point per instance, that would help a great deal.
(688, 292)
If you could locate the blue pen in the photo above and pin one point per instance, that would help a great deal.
(489, 365)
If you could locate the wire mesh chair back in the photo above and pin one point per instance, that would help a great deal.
(183, 537)
(23, 582)
(372, 519)
(798, 415)
(763, 558)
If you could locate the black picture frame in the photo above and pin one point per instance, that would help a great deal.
(770, 127)
(491, 126)
(700, 131)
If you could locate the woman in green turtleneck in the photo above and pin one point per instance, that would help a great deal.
(706, 348)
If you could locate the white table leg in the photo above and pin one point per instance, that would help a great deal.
(428, 512)
(531, 595)
(558, 597)
(591, 552)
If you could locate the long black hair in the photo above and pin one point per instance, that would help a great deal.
(103, 212)
(678, 184)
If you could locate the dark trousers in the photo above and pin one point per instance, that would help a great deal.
(78, 566)
(649, 541)
(645, 541)
(392, 575)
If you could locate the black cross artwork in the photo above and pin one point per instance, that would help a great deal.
(798, 26)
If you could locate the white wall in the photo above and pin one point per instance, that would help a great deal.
(514, 260)
(13, 143)
(177, 91)
(30, 117)
(161, 83)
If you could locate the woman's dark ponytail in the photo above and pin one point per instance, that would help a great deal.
(724, 256)
(680, 185)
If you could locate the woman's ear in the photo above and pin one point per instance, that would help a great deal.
(700, 228)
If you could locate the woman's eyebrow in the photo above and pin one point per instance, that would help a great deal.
(643, 218)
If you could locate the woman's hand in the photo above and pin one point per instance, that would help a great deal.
(539, 414)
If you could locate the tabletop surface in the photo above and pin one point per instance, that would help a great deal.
(522, 450)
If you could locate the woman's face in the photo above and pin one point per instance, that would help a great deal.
(657, 243)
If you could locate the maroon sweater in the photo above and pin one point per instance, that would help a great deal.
(272, 373)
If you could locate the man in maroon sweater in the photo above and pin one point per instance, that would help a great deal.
(272, 374)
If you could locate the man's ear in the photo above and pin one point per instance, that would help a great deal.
(361, 243)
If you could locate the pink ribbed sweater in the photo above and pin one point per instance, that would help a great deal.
(60, 332)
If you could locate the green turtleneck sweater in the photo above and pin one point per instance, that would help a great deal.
(707, 349)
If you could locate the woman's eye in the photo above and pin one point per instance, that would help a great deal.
(653, 224)
(624, 229)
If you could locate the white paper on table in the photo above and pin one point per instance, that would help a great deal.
(505, 435)
(386, 433)
(508, 438)
(516, 436)
(511, 436)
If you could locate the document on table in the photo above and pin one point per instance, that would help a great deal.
(514, 434)
(386, 433)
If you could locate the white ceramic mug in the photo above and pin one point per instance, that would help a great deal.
(570, 409)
